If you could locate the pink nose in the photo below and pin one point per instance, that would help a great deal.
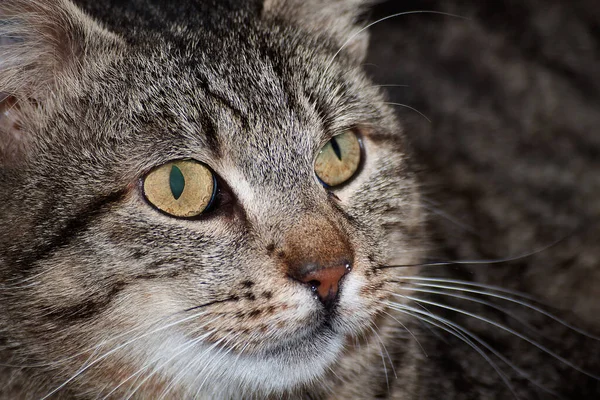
(317, 253)
(324, 281)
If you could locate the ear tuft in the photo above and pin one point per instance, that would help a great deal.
(337, 18)
(43, 41)
(47, 48)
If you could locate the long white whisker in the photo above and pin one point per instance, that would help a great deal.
(479, 262)
(390, 85)
(355, 34)
(502, 290)
(209, 363)
(225, 353)
(483, 343)
(62, 385)
(385, 349)
(430, 206)
(410, 108)
(185, 346)
(235, 363)
(476, 300)
(385, 373)
(475, 284)
(455, 332)
(96, 346)
(180, 375)
(512, 331)
(87, 361)
(408, 330)
(156, 369)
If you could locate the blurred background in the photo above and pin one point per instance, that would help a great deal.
(501, 103)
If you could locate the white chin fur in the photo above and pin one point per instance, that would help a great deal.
(208, 373)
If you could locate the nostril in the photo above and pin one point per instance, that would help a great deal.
(348, 267)
(324, 282)
(313, 285)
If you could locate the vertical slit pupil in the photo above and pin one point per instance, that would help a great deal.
(177, 182)
(336, 148)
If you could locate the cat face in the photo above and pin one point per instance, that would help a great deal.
(268, 285)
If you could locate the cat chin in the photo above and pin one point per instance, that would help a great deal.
(205, 371)
(287, 362)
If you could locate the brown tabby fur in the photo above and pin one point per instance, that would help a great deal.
(103, 296)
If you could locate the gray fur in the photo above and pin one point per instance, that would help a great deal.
(253, 104)
(94, 277)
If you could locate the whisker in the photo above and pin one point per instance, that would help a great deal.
(222, 346)
(225, 351)
(105, 355)
(94, 348)
(355, 34)
(478, 262)
(496, 288)
(189, 345)
(510, 299)
(408, 330)
(185, 346)
(390, 85)
(231, 298)
(385, 373)
(210, 362)
(430, 206)
(479, 301)
(460, 328)
(114, 338)
(507, 329)
(235, 363)
(87, 361)
(385, 349)
(410, 108)
(427, 310)
(409, 311)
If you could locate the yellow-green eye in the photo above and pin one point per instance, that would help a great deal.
(339, 159)
(183, 188)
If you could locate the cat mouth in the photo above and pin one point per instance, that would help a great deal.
(328, 323)
(307, 342)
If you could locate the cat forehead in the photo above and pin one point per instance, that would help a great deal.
(242, 99)
(231, 128)
(250, 96)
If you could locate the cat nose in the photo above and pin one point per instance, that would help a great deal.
(325, 282)
(318, 253)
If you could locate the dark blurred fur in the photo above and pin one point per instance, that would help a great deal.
(512, 153)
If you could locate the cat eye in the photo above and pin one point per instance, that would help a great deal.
(339, 159)
(183, 188)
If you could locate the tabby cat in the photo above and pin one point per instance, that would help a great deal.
(211, 199)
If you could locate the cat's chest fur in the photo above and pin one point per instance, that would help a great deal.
(210, 199)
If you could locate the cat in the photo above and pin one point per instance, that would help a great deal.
(212, 199)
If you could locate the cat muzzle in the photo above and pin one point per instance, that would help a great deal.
(318, 254)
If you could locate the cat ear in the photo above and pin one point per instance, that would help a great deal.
(338, 18)
(47, 48)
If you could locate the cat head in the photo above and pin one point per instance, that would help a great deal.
(201, 197)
